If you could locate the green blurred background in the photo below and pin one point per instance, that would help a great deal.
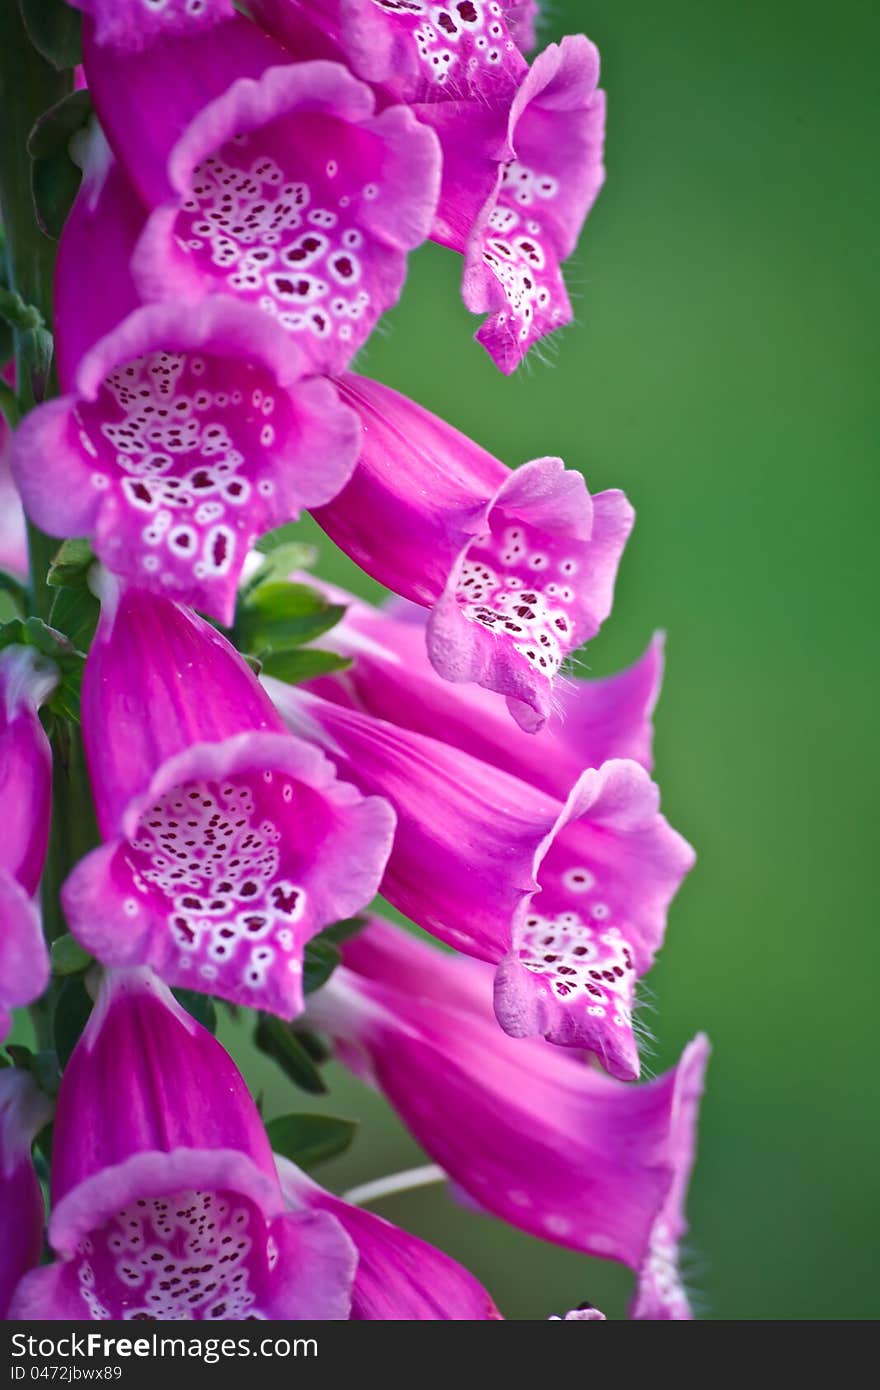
(720, 373)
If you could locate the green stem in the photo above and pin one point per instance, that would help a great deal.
(28, 87)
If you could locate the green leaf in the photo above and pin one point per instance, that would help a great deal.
(342, 931)
(308, 1140)
(284, 556)
(46, 1072)
(75, 612)
(302, 664)
(15, 589)
(68, 663)
(55, 30)
(72, 1012)
(55, 178)
(198, 1006)
(43, 1143)
(278, 616)
(320, 959)
(22, 1057)
(278, 1040)
(70, 567)
(53, 130)
(285, 538)
(68, 957)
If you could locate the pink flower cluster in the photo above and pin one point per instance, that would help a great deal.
(251, 190)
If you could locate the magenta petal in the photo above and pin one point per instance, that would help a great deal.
(607, 879)
(468, 837)
(188, 436)
(518, 567)
(135, 714)
(535, 585)
(399, 1277)
(13, 535)
(530, 1133)
(232, 859)
(168, 1206)
(531, 222)
(134, 24)
(391, 678)
(173, 80)
(182, 1090)
(295, 197)
(93, 288)
(660, 1294)
(24, 1110)
(24, 960)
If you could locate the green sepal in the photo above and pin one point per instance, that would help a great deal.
(55, 30)
(308, 1140)
(277, 616)
(68, 957)
(201, 1007)
(55, 178)
(72, 1010)
(298, 664)
(278, 1040)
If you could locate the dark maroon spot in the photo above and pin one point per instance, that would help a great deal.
(343, 266)
(467, 11)
(218, 549)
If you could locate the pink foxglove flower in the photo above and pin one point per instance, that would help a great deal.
(391, 678)
(569, 898)
(229, 843)
(518, 568)
(188, 433)
(165, 1199)
(26, 679)
(533, 1135)
(285, 189)
(24, 1110)
(399, 1277)
(134, 24)
(522, 147)
(532, 219)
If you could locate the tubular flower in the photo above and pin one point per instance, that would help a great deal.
(391, 678)
(24, 1110)
(534, 1136)
(568, 898)
(169, 1206)
(134, 24)
(285, 189)
(522, 147)
(518, 568)
(229, 843)
(399, 1277)
(26, 679)
(187, 434)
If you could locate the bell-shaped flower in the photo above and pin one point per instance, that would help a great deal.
(187, 433)
(272, 181)
(531, 1134)
(26, 679)
(517, 567)
(391, 677)
(135, 24)
(229, 843)
(24, 1110)
(399, 1278)
(568, 898)
(522, 146)
(165, 1199)
(422, 51)
(532, 219)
